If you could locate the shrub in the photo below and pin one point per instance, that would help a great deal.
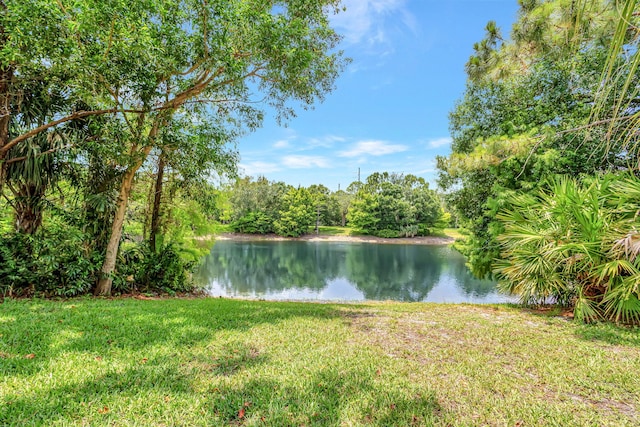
(410, 230)
(142, 269)
(253, 223)
(56, 263)
(388, 234)
(424, 230)
(577, 244)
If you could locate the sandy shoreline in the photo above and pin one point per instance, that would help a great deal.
(428, 240)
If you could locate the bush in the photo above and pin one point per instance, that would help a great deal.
(409, 230)
(16, 269)
(424, 230)
(253, 223)
(60, 263)
(388, 234)
(57, 263)
(141, 269)
(576, 243)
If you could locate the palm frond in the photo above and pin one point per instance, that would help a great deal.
(621, 305)
(586, 309)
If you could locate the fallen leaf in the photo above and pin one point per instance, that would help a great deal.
(263, 419)
(247, 404)
(98, 358)
(378, 372)
(392, 406)
(30, 356)
(167, 399)
(241, 413)
(144, 360)
(104, 410)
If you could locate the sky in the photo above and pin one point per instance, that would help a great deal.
(389, 110)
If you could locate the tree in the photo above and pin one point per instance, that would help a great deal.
(363, 213)
(343, 201)
(320, 197)
(524, 117)
(285, 52)
(32, 168)
(256, 205)
(182, 54)
(390, 205)
(297, 213)
(191, 147)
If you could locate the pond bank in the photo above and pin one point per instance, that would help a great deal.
(423, 240)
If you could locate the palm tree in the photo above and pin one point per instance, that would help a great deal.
(577, 245)
(33, 167)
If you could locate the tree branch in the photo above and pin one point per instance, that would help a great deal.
(19, 159)
(77, 115)
(598, 123)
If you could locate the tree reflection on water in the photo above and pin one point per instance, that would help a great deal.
(377, 271)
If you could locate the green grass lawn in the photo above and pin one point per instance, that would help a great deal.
(216, 362)
(326, 230)
(221, 228)
(454, 233)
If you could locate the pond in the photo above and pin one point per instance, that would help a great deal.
(336, 271)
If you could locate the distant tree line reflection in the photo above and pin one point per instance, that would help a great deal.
(380, 272)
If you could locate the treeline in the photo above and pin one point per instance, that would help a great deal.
(110, 109)
(544, 164)
(385, 205)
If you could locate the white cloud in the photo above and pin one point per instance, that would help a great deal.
(439, 142)
(301, 162)
(258, 168)
(286, 139)
(366, 21)
(283, 143)
(373, 148)
(326, 141)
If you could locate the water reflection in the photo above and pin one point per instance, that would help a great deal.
(342, 271)
(403, 273)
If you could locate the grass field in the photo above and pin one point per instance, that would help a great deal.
(327, 230)
(216, 362)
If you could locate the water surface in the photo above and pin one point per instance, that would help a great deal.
(295, 270)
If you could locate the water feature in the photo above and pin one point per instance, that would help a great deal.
(299, 270)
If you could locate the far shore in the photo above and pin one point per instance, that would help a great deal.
(422, 240)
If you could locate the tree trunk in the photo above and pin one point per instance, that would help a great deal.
(6, 75)
(344, 218)
(106, 272)
(155, 215)
(28, 211)
(28, 221)
(318, 219)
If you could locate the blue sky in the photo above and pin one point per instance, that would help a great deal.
(389, 111)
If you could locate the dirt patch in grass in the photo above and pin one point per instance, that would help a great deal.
(407, 335)
(475, 355)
